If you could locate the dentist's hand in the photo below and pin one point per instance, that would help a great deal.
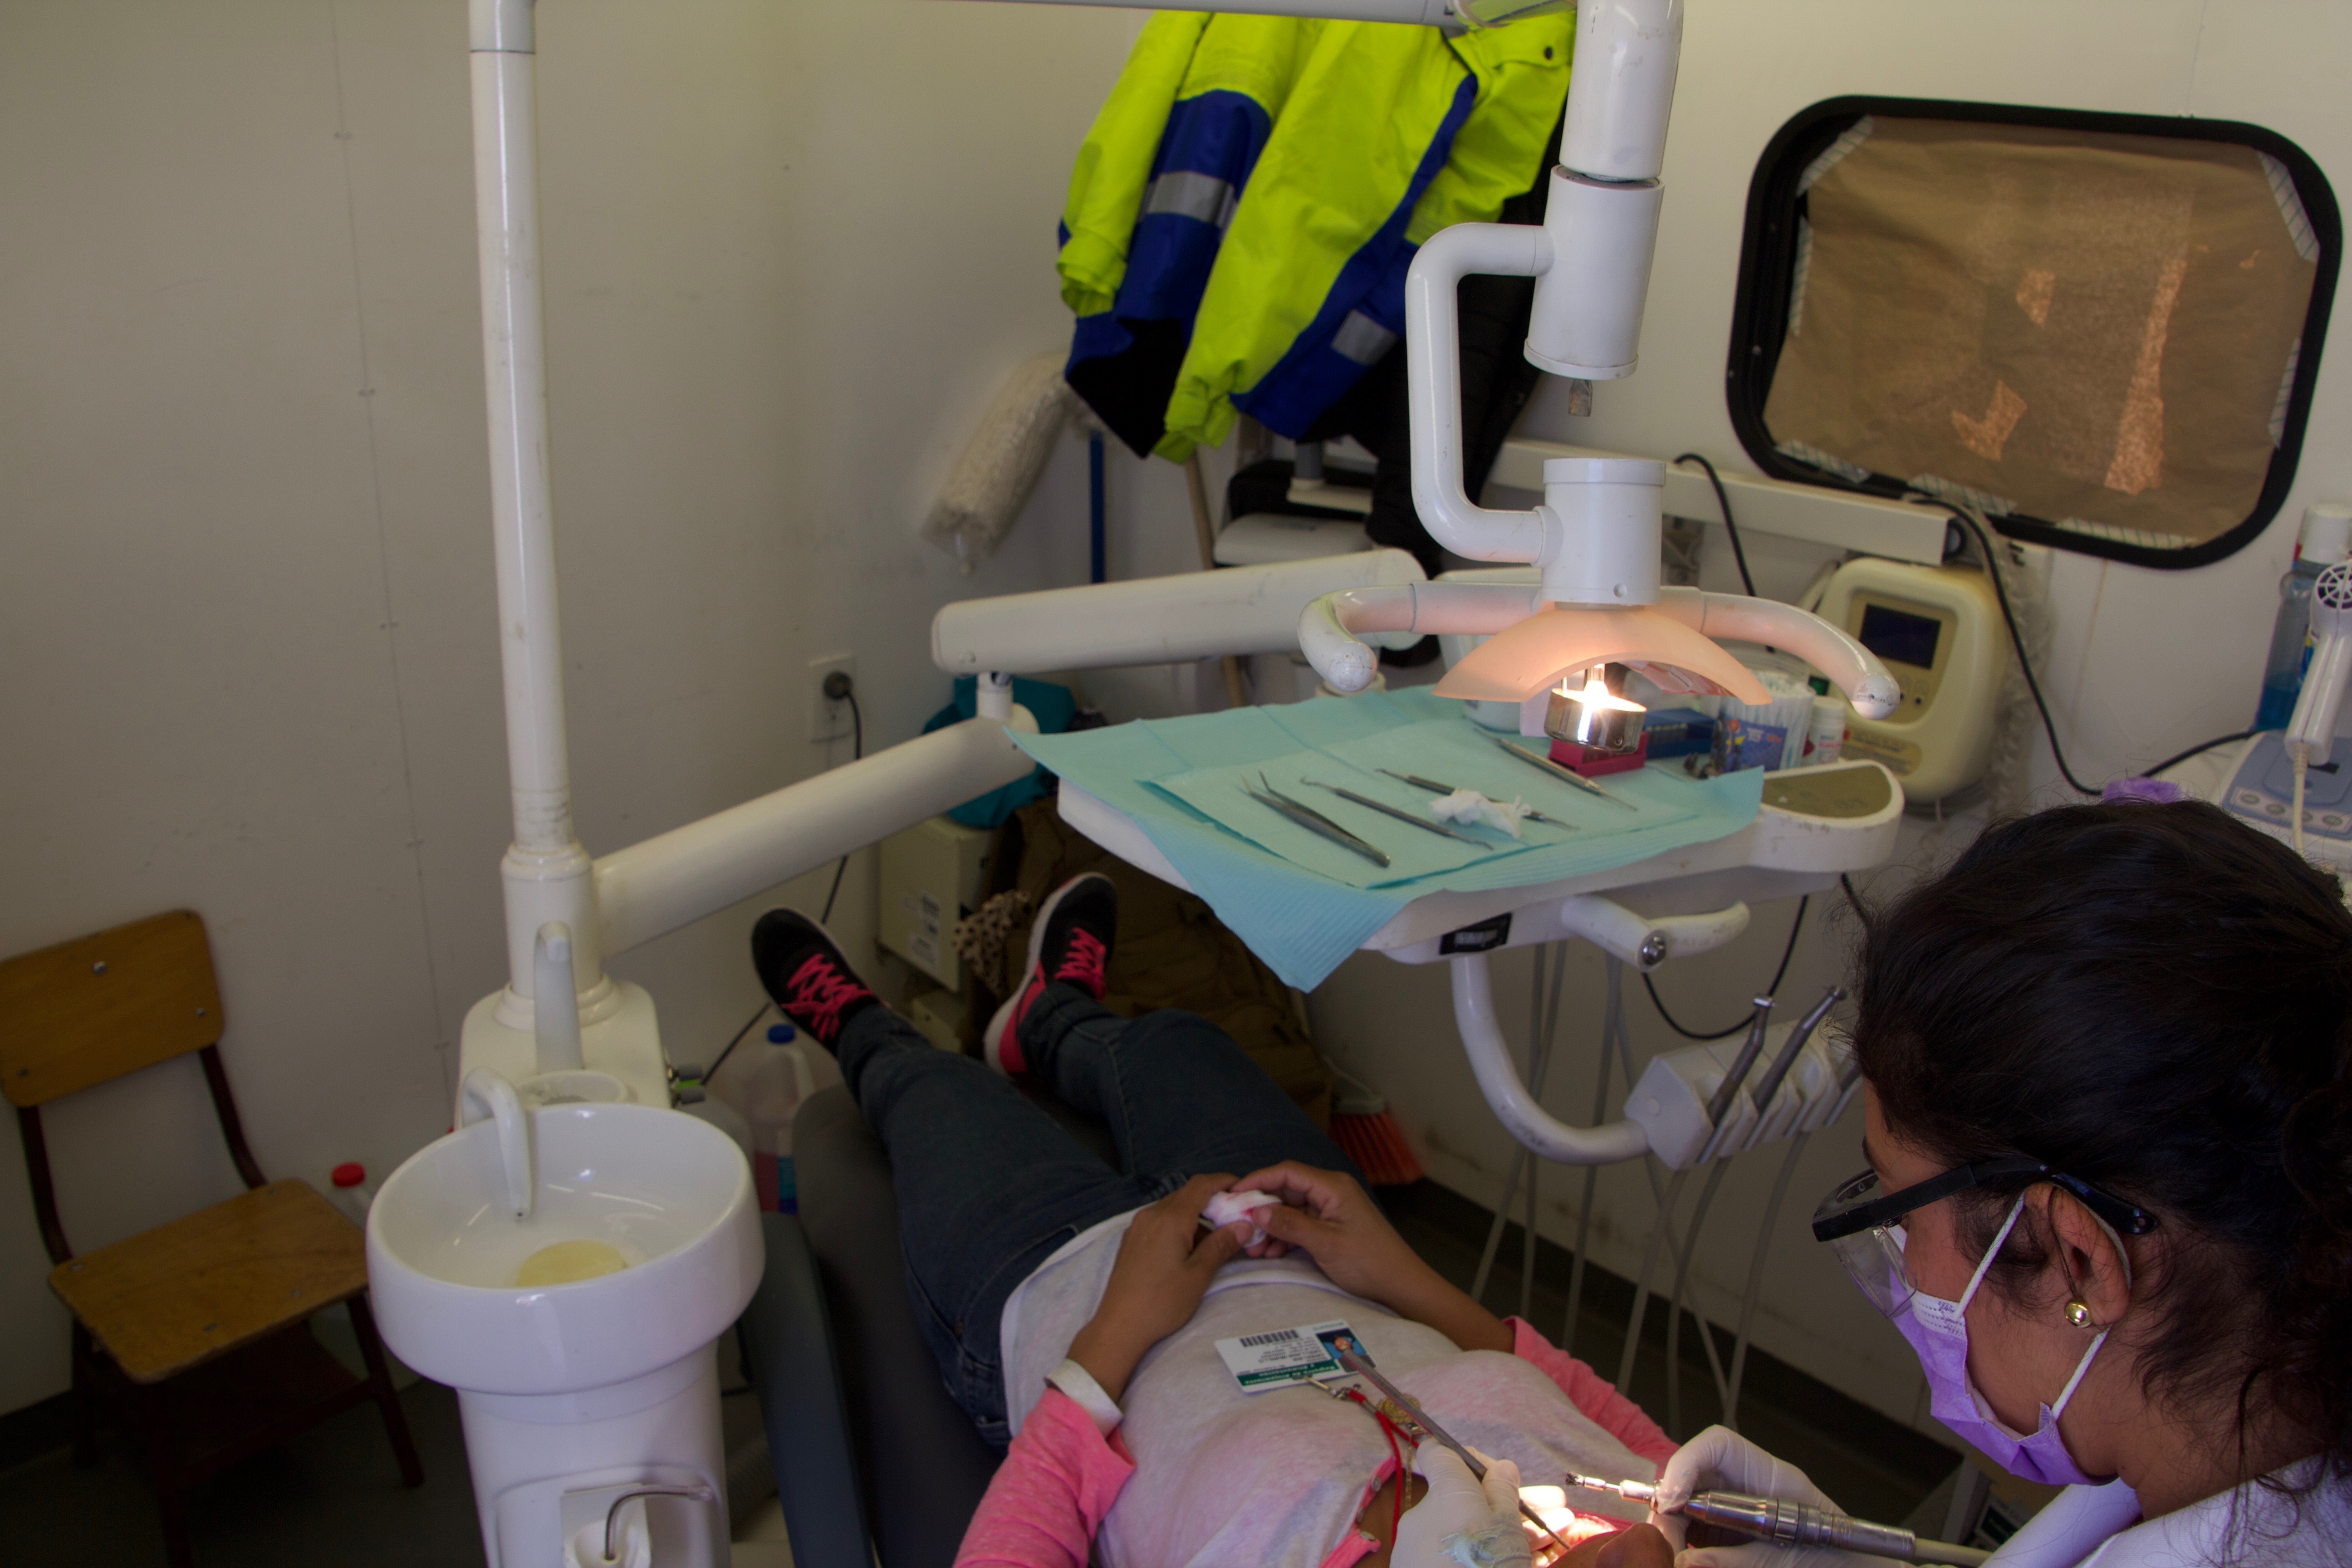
(1719, 1460)
(1483, 1514)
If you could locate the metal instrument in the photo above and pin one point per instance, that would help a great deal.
(1364, 1369)
(1435, 788)
(1796, 1525)
(1314, 821)
(1387, 810)
(1567, 776)
(1741, 1063)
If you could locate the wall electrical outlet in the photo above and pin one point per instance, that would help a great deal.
(829, 719)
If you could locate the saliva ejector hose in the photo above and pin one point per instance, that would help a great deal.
(1796, 1523)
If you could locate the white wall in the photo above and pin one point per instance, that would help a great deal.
(2144, 662)
(246, 613)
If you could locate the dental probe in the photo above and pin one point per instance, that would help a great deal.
(1796, 1523)
(1364, 1369)
(1385, 808)
(1314, 821)
(1566, 775)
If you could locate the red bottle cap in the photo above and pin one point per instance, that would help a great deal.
(349, 1174)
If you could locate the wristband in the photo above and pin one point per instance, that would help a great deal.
(1079, 1384)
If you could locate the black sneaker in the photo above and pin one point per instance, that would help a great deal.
(1070, 943)
(806, 976)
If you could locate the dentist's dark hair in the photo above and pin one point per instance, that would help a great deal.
(2156, 999)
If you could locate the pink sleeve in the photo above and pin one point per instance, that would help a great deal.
(1047, 1498)
(1616, 1415)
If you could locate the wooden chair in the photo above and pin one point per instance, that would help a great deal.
(197, 1331)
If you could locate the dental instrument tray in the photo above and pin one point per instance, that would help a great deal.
(1174, 797)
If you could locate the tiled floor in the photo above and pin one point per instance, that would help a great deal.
(335, 1497)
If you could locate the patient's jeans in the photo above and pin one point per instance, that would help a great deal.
(989, 1185)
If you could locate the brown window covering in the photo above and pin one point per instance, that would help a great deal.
(2094, 331)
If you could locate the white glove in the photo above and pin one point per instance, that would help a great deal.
(1719, 1460)
(1462, 1522)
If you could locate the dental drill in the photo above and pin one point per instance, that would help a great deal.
(1795, 1523)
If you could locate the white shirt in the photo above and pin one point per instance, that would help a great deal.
(2095, 1527)
(1275, 1480)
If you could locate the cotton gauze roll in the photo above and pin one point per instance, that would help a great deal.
(1766, 735)
(1469, 806)
(1226, 1207)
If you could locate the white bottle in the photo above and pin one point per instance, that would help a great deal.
(767, 1092)
(354, 1192)
(1825, 743)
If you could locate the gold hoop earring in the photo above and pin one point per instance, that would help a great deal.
(2078, 1314)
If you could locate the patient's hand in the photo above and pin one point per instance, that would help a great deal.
(1327, 1216)
(1158, 1282)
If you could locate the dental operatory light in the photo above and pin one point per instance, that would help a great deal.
(1596, 539)
(1596, 715)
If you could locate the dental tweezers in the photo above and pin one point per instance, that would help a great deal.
(1530, 813)
(1382, 806)
(1566, 775)
(1314, 821)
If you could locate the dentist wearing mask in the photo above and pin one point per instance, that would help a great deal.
(2109, 1201)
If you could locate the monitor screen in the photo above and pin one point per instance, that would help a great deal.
(1902, 637)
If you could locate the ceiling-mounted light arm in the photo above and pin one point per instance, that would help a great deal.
(1434, 386)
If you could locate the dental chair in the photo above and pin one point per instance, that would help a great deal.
(873, 1461)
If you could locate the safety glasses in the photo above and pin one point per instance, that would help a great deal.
(1861, 1222)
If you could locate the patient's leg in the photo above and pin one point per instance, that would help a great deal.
(987, 1184)
(1180, 1097)
(1181, 1100)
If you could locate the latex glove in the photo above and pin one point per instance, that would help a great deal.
(1460, 1521)
(1719, 1460)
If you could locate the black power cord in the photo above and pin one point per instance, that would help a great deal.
(1787, 953)
(2017, 640)
(839, 688)
(1723, 500)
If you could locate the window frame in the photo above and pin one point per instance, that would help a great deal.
(1767, 248)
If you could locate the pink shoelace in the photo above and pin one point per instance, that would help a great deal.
(819, 993)
(1082, 962)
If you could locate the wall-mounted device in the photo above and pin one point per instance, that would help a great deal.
(1939, 630)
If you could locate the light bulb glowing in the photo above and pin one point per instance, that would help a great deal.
(1593, 716)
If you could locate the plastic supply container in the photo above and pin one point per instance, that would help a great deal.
(1825, 742)
(767, 1092)
(2326, 538)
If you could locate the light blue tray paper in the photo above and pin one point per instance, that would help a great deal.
(1303, 903)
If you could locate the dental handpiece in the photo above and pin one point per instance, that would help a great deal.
(1796, 1523)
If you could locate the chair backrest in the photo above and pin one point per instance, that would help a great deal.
(84, 1011)
(76, 1015)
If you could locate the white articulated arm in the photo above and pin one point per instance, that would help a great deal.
(1498, 1080)
(1151, 620)
(1434, 386)
(1333, 630)
(1647, 940)
(1851, 667)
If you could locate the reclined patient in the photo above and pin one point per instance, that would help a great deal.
(1075, 1309)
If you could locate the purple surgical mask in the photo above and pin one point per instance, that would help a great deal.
(1938, 1331)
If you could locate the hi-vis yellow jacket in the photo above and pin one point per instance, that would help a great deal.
(1252, 194)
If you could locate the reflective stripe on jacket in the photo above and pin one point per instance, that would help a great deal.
(1264, 181)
